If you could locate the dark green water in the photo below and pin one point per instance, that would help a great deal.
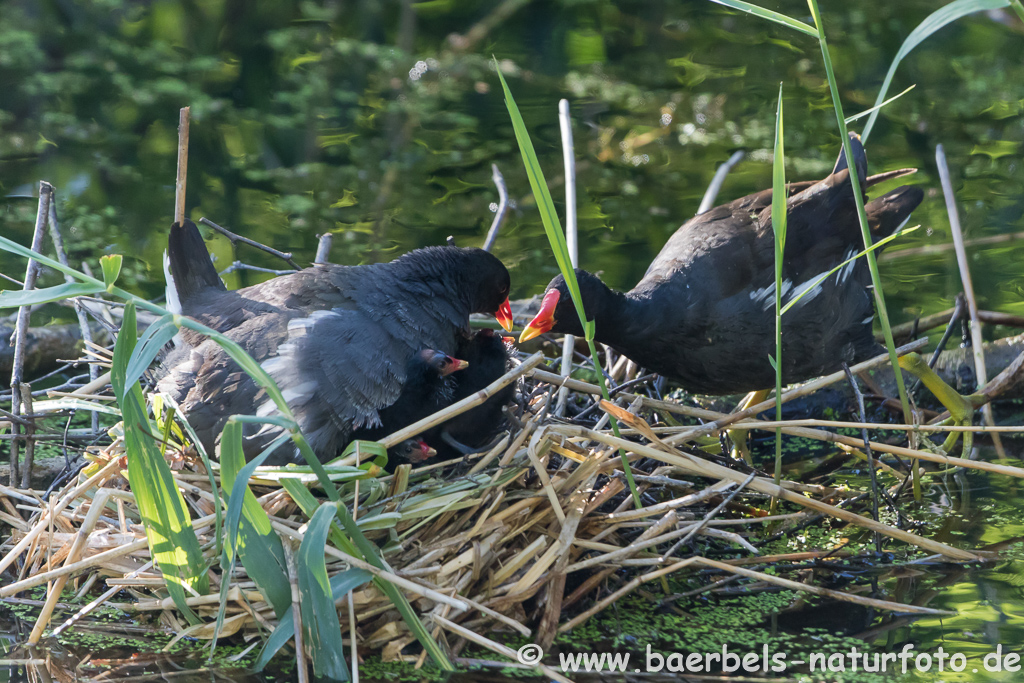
(359, 118)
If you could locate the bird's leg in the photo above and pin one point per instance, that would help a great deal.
(961, 408)
(740, 449)
(455, 443)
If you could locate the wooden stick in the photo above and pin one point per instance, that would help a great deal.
(179, 184)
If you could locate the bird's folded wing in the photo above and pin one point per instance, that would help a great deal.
(337, 369)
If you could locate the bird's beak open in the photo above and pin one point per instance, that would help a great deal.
(424, 453)
(545, 318)
(504, 316)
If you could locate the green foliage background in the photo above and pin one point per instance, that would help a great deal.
(362, 119)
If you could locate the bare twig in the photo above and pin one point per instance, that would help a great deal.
(867, 449)
(238, 265)
(80, 310)
(323, 248)
(21, 326)
(500, 212)
(571, 239)
(707, 518)
(179, 184)
(716, 183)
(284, 256)
(30, 441)
(965, 277)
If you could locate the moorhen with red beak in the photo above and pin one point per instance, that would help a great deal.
(703, 314)
(338, 340)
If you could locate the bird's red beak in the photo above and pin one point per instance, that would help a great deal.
(504, 315)
(424, 453)
(456, 365)
(545, 318)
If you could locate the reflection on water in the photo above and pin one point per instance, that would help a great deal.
(370, 123)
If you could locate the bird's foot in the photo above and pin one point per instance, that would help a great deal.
(961, 408)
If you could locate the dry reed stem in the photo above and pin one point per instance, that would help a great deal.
(496, 647)
(411, 586)
(632, 585)
(556, 586)
(179, 182)
(824, 592)
(539, 443)
(847, 440)
(58, 507)
(91, 606)
(685, 501)
(764, 485)
(99, 501)
(465, 404)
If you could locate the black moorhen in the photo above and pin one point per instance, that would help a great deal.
(488, 356)
(337, 339)
(429, 387)
(413, 451)
(703, 314)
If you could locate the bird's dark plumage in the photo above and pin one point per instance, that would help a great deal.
(703, 314)
(338, 340)
(429, 387)
(488, 357)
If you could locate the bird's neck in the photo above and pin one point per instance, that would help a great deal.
(624, 321)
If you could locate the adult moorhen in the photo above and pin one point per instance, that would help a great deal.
(703, 314)
(338, 340)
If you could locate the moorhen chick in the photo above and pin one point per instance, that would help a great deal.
(338, 340)
(429, 387)
(703, 314)
(488, 357)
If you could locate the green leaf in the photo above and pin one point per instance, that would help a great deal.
(15, 248)
(864, 113)
(779, 206)
(357, 545)
(247, 524)
(769, 15)
(932, 23)
(172, 540)
(15, 298)
(546, 206)
(320, 625)
(111, 265)
(863, 252)
(341, 583)
(370, 453)
(549, 217)
(149, 346)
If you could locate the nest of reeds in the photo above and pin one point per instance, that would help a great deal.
(535, 535)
